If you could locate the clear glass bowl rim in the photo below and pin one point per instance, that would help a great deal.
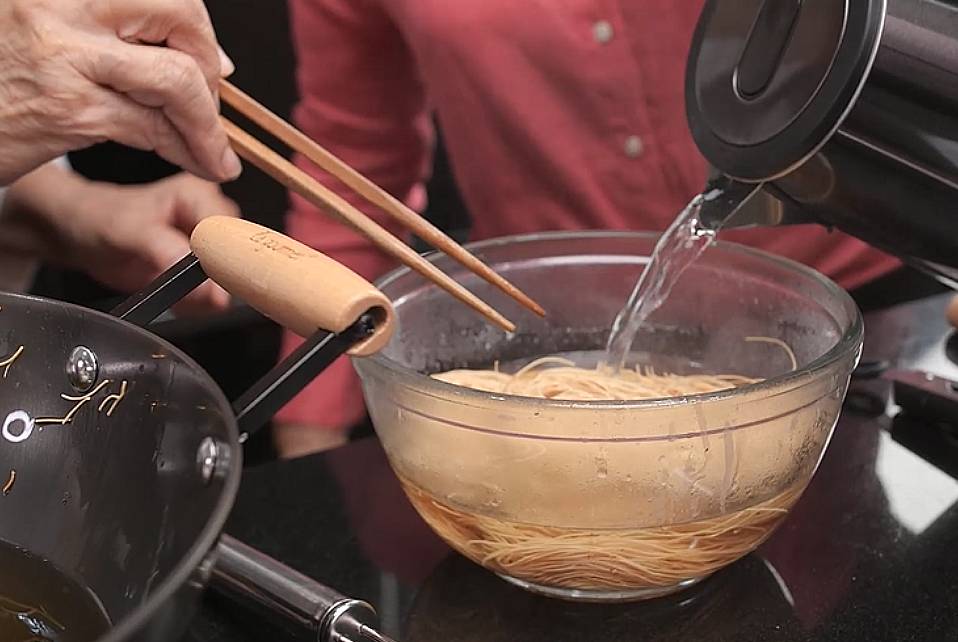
(845, 348)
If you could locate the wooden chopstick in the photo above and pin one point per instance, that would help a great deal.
(312, 190)
(297, 140)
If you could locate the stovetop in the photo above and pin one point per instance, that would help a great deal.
(867, 553)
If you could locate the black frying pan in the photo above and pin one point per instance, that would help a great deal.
(120, 458)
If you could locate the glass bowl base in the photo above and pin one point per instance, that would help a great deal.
(603, 595)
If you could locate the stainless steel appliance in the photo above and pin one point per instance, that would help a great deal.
(846, 110)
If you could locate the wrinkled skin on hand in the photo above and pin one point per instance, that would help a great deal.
(78, 72)
(122, 236)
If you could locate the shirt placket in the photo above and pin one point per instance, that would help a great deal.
(632, 130)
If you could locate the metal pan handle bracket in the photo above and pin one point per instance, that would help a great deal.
(337, 310)
(171, 286)
(274, 390)
(289, 282)
(283, 279)
(304, 605)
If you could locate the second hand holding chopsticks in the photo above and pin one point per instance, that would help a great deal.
(308, 187)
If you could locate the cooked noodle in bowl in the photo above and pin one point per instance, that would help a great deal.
(572, 480)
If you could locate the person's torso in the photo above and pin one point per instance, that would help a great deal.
(569, 114)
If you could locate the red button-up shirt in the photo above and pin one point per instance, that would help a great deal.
(557, 114)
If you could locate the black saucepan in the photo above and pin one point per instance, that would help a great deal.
(120, 458)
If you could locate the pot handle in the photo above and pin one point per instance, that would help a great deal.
(275, 590)
(289, 282)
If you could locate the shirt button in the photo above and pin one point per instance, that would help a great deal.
(602, 31)
(632, 146)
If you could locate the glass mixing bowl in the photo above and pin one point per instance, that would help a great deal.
(606, 501)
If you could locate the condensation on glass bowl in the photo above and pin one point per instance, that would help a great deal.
(612, 467)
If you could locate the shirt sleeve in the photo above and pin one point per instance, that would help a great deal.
(361, 98)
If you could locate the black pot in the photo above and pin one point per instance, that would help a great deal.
(122, 457)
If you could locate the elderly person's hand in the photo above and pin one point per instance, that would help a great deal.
(122, 236)
(140, 72)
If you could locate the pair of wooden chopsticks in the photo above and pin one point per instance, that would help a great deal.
(309, 188)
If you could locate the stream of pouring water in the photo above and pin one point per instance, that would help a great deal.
(678, 247)
(682, 243)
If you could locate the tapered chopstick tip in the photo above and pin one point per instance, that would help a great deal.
(504, 324)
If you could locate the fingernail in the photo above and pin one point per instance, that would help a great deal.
(226, 65)
(231, 164)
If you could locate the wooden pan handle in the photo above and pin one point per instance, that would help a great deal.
(289, 282)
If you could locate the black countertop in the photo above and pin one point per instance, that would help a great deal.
(867, 554)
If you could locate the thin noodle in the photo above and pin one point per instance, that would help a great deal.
(603, 559)
(563, 380)
(778, 342)
(8, 486)
(593, 558)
